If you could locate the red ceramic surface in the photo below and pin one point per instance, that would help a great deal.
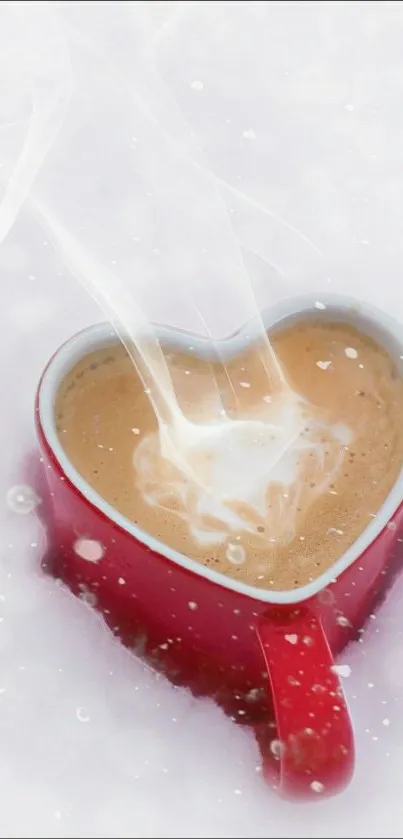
(267, 657)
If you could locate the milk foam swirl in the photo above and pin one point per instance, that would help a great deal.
(251, 475)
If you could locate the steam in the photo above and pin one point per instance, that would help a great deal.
(119, 181)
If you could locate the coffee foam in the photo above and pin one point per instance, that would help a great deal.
(237, 475)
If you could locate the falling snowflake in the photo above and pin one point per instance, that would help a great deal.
(22, 499)
(317, 786)
(276, 748)
(292, 639)
(343, 670)
(82, 714)
(89, 549)
(235, 554)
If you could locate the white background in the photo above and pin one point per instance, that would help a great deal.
(299, 113)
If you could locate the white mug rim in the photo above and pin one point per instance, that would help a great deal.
(372, 320)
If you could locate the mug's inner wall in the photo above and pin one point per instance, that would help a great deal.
(103, 452)
(383, 328)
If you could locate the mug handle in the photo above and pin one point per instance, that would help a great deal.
(312, 753)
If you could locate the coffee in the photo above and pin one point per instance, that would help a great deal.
(107, 426)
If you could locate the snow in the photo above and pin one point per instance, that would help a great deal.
(89, 549)
(342, 670)
(93, 742)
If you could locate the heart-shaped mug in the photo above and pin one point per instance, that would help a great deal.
(267, 656)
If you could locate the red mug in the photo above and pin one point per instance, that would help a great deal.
(266, 656)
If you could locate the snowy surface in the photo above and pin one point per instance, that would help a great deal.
(92, 742)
